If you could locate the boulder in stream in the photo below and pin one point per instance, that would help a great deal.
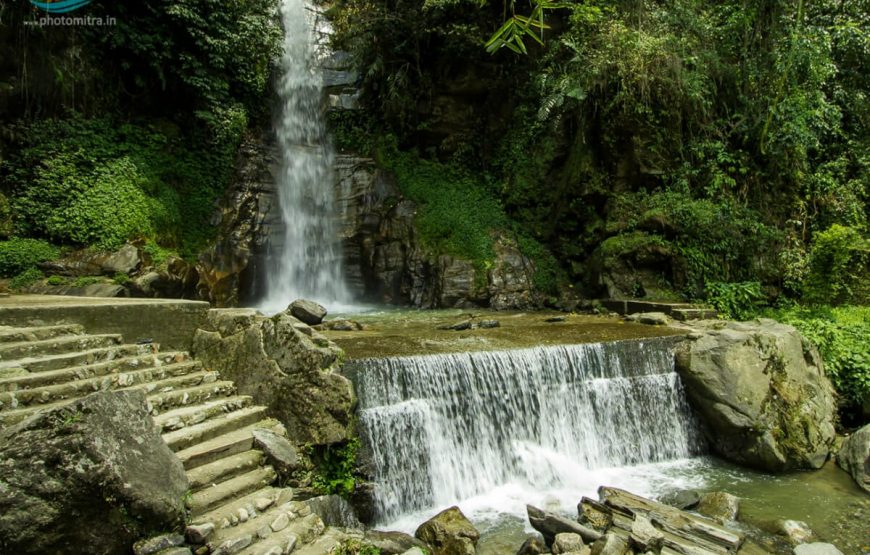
(761, 391)
(449, 533)
(307, 311)
(719, 505)
(854, 457)
(567, 542)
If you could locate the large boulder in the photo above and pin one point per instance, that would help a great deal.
(761, 391)
(308, 311)
(449, 533)
(90, 477)
(854, 457)
(284, 365)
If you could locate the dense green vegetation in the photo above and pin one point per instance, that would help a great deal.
(128, 131)
(673, 149)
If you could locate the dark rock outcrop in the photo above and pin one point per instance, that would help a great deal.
(762, 393)
(854, 457)
(309, 312)
(90, 477)
(386, 262)
(229, 269)
(286, 366)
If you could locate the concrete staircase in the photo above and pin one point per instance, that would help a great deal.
(234, 504)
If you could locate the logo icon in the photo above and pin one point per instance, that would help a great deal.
(60, 6)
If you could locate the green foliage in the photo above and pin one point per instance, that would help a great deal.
(457, 213)
(121, 279)
(355, 547)
(336, 473)
(26, 278)
(841, 335)
(84, 281)
(94, 182)
(517, 28)
(17, 255)
(838, 266)
(157, 253)
(735, 301)
(56, 280)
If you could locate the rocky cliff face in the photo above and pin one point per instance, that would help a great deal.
(230, 269)
(386, 262)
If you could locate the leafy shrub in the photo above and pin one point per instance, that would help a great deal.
(26, 278)
(56, 280)
(336, 472)
(84, 281)
(121, 279)
(18, 255)
(98, 182)
(841, 335)
(737, 301)
(839, 261)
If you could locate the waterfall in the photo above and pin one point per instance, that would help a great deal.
(305, 259)
(445, 428)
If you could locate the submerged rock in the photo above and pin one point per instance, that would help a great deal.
(719, 505)
(449, 533)
(91, 477)
(307, 311)
(762, 393)
(854, 457)
(795, 531)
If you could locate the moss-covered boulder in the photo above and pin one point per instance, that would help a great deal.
(761, 391)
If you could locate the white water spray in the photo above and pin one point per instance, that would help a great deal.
(492, 431)
(305, 260)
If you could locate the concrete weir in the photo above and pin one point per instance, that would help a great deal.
(169, 322)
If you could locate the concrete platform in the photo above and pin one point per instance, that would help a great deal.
(169, 322)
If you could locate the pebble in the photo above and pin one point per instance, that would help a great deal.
(263, 503)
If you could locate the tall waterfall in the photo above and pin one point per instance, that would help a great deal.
(305, 260)
(445, 428)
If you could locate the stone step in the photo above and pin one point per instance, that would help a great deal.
(17, 335)
(224, 469)
(56, 345)
(684, 314)
(199, 433)
(209, 498)
(80, 388)
(274, 495)
(67, 360)
(179, 418)
(171, 398)
(226, 445)
(30, 380)
(187, 391)
(277, 523)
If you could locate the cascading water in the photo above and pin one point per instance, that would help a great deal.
(498, 429)
(305, 260)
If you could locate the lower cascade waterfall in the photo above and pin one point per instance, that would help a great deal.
(441, 429)
(305, 259)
